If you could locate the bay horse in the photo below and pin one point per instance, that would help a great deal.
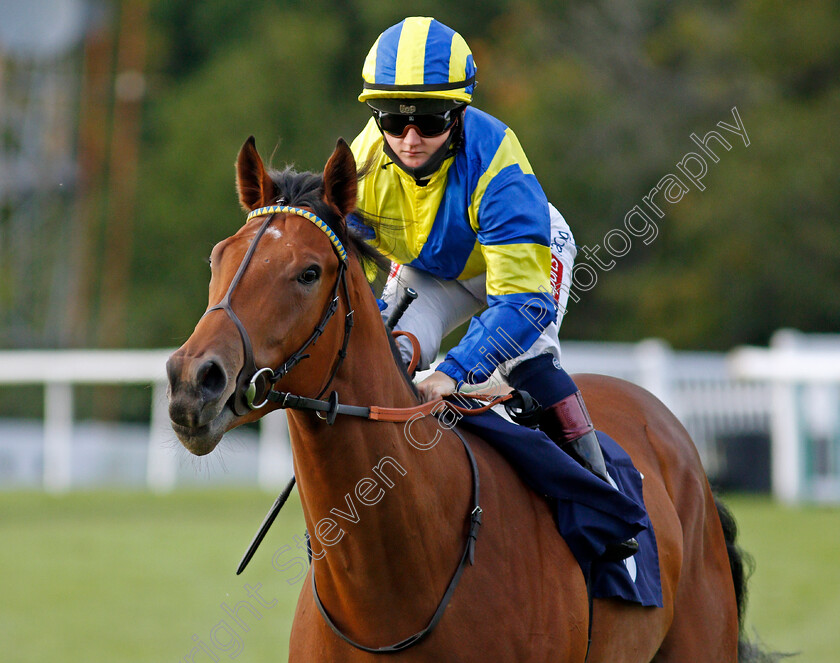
(279, 290)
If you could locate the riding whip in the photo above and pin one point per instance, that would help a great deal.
(266, 524)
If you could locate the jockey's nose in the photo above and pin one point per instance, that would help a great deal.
(412, 137)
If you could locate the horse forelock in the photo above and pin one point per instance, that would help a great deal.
(306, 189)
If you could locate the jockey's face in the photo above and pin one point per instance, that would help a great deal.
(413, 149)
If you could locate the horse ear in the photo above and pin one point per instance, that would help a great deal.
(340, 179)
(253, 184)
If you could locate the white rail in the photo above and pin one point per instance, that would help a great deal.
(60, 370)
(751, 390)
(793, 362)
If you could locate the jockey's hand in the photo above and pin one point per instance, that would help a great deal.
(436, 386)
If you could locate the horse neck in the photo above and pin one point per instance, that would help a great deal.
(379, 499)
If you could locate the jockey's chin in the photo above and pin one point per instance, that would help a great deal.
(414, 160)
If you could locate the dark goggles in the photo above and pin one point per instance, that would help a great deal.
(427, 125)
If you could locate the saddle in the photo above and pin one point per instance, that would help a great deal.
(587, 511)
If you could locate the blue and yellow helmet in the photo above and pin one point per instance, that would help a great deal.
(419, 58)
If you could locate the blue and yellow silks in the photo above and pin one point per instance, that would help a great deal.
(483, 211)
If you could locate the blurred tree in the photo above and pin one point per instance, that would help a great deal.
(757, 250)
(290, 77)
(604, 97)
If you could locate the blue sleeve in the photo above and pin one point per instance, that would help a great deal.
(362, 230)
(504, 331)
(514, 236)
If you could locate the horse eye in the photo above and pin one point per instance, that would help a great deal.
(309, 275)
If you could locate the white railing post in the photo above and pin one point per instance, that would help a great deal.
(655, 357)
(58, 436)
(59, 371)
(793, 361)
(162, 465)
(786, 438)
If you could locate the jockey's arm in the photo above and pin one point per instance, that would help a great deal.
(514, 238)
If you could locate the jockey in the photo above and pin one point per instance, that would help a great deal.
(450, 198)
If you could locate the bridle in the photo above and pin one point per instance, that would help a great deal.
(251, 380)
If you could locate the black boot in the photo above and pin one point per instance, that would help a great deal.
(568, 424)
(586, 450)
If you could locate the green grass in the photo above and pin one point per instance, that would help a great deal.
(794, 601)
(124, 577)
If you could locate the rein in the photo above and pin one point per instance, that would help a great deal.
(332, 408)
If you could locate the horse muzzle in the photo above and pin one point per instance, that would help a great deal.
(199, 388)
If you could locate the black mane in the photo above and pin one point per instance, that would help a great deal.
(306, 189)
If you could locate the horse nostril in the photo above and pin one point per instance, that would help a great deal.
(211, 378)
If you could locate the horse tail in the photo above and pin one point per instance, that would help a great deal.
(742, 565)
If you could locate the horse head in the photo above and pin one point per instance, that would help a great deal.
(272, 283)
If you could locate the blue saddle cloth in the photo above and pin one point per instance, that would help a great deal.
(590, 514)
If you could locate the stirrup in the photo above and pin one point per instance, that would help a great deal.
(617, 552)
(586, 450)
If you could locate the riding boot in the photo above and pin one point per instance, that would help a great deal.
(568, 424)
